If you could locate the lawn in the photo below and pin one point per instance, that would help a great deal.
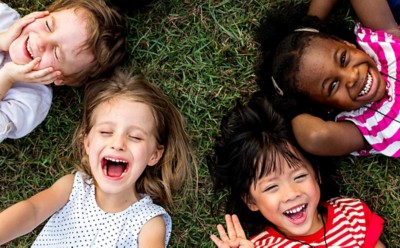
(201, 53)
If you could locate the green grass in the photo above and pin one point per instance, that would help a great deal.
(201, 53)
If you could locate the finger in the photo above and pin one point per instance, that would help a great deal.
(36, 14)
(32, 64)
(222, 233)
(216, 241)
(238, 227)
(230, 227)
(47, 79)
(32, 17)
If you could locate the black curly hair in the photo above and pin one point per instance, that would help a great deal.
(280, 51)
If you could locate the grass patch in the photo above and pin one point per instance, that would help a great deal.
(201, 53)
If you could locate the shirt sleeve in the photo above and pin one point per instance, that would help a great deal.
(7, 16)
(23, 108)
(374, 227)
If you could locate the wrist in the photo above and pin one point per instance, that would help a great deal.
(3, 47)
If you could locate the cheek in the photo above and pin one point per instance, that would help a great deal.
(45, 62)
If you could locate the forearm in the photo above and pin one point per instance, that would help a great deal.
(376, 14)
(380, 245)
(3, 46)
(327, 138)
(321, 8)
(5, 83)
(24, 216)
(16, 221)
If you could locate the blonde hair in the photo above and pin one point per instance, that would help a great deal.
(174, 169)
(107, 37)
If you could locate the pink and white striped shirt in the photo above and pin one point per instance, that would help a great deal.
(379, 122)
(350, 223)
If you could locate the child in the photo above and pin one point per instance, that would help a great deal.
(275, 191)
(71, 43)
(134, 150)
(309, 73)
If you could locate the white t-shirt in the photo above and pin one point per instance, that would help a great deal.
(25, 105)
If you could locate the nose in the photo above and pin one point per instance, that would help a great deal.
(118, 143)
(41, 42)
(45, 44)
(350, 76)
(291, 192)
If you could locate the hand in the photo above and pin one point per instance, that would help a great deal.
(236, 237)
(27, 73)
(6, 38)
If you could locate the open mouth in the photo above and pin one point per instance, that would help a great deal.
(367, 85)
(296, 213)
(114, 167)
(28, 49)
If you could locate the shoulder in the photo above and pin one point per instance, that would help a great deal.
(157, 222)
(64, 184)
(153, 233)
(342, 203)
(7, 16)
(350, 209)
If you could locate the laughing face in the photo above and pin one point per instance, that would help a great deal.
(120, 145)
(57, 39)
(289, 199)
(339, 75)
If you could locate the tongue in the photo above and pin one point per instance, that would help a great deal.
(115, 170)
(296, 216)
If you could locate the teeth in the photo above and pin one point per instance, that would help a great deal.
(116, 160)
(367, 86)
(296, 210)
(28, 47)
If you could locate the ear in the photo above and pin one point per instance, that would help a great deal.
(349, 44)
(156, 156)
(250, 204)
(86, 144)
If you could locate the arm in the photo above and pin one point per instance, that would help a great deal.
(12, 73)
(23, 108)
(321, 8)
(374, 14)
(153, 233)
(236, 237)
(327, 138)
(24, 216)
(380, 245)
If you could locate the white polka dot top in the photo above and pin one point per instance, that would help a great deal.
(81, 223)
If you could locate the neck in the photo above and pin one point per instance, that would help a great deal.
(114, 203)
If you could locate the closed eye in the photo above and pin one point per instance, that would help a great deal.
(48, 26)
(271, 188)
(300, 178)
(56, 55)
(135, 138)
(105, 133)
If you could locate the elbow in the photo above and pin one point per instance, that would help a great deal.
(313, 141)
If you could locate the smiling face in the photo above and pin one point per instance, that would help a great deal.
(57, 39)
(120, 145)
(339, 75)
(288, 199)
